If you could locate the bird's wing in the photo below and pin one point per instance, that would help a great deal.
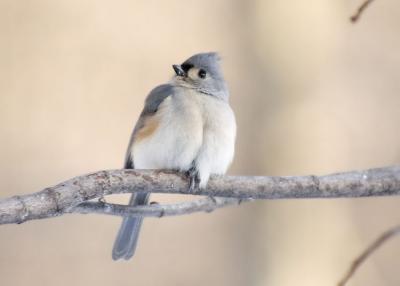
(153, 101)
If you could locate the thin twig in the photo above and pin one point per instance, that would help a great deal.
(367, 252)
(64, 197)
(360, 11)
(207, 204)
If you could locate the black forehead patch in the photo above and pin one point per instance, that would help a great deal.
(186, 67)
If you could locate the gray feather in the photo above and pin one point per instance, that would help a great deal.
(128, 234)
(156, 97)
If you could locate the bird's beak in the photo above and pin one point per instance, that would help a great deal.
(178, 70)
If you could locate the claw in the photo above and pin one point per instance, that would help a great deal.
(194, 179)
(192, 184)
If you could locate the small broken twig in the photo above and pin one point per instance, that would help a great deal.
(360, 11)
(367, 252)
(207, 204)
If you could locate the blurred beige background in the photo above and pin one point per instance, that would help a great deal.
(312, 94)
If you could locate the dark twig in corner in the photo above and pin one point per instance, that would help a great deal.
(360, 11)
(367, 252)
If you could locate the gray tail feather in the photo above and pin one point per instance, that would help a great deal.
(128, 234)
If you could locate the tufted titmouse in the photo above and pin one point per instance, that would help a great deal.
(186, 125)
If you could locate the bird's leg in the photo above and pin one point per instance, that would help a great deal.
(194, 178)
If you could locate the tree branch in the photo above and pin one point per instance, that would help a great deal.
(64, 197)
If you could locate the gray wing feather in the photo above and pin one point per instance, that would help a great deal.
(156, 96)
(128, 234)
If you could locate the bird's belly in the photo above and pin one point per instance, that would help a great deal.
(174, 144)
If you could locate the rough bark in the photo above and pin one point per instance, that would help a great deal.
(65, 197)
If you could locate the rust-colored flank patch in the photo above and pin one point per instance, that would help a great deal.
(149, 127)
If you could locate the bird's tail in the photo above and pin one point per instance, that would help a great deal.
(126, 241)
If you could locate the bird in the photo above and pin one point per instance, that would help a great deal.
(186, 125)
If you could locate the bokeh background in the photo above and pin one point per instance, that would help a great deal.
(312, 94)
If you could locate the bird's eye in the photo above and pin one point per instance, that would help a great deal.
(202, 73)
